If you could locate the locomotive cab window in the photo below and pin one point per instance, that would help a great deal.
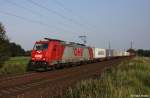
(42, 46)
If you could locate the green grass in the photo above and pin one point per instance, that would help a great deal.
(129, 78)
(14, 65)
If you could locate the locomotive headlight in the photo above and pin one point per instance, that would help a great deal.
(33, 58)
(38, 56)
(44, 59)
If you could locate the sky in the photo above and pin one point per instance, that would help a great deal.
(102, 21)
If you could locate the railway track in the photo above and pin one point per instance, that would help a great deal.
(8, 77)
(52, 83)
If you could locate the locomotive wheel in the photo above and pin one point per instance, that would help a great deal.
(57, 66)
(49, 68)
(29, 67)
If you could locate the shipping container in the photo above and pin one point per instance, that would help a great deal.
(109, 52)
(99, 53)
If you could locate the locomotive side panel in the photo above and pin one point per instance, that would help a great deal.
(55, 53)
(76, 54)
(91, 53)
(69, 56)
(86, 54)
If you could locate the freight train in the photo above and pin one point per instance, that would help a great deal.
(54, 53)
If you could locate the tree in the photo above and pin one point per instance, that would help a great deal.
(16, 50)
(145, 53)
(140, 52)
(28, 53)
(131, 51)
(4, 44)
(2, 32)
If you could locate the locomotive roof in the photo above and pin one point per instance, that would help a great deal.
(50, 39)
(63, 42)
(41, 41)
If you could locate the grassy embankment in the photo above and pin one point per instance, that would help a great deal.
(129, 78)
(14, 65)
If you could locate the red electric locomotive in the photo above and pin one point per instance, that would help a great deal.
(56, 53)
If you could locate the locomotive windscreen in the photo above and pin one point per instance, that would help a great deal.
(42, 46)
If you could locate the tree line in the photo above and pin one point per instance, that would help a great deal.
(7, 48)
(142, 52)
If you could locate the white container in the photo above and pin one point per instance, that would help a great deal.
(120, 53)
(99, 53)
(126, 53)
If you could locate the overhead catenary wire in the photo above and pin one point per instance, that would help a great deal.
(62, 6)
(52, 11)
(27, 19)
(57, 13)
(25, 8)
(32, 11)
(58, 2)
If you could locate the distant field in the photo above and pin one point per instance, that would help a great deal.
(17, 61)
(129, 79)
(14, 65)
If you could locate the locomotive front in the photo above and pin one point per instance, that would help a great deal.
(39, 51)
(39, 55)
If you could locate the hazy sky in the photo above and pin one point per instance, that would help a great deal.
(117, 21)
